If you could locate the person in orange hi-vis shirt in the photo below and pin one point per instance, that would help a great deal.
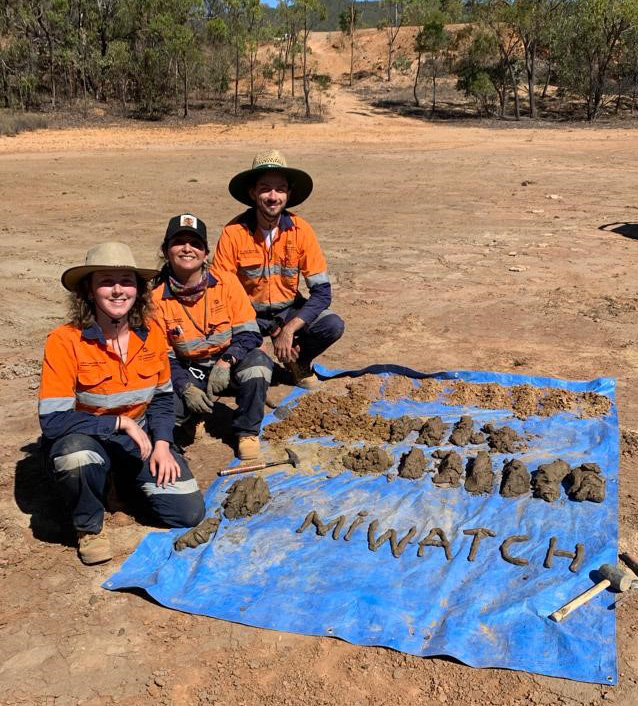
(106, 401)
(268, 247)
(213, 339)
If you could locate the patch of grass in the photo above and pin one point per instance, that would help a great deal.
(13, 123)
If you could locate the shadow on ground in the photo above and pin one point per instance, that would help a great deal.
(36, 495)
(627, 230)
(443, 113)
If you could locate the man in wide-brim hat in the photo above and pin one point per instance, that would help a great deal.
(268, 247)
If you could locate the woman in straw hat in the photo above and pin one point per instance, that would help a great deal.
(106, 401)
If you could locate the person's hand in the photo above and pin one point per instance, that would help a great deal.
(164, 467)
(139, 436)
(283, 345)
(219, 378)
(196, 399)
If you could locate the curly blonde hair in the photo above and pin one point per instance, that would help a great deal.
(82, 306)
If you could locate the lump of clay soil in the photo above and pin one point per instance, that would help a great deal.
(502, 440)
(586, 483)
(344, 416)
(412, 464)
(368, 459)
(479, 475)
(462, 431)
(246, 497)
(449, 472)
(464, 434)
(547, 480)
(401, 427)
(432, 432)
(516, 479)
(200, 534)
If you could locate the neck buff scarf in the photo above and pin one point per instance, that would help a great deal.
(188, 295)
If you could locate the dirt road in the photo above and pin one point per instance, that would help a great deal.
(449, 248)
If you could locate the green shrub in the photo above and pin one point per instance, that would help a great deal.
(402, 64)
(13, 123)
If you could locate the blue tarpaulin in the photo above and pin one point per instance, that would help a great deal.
(260, 571)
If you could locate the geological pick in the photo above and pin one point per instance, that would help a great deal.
(292, 459)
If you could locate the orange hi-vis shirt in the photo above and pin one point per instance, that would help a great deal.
(270, 275)
(221, 321)
(85, 385)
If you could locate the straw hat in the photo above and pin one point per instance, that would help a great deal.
(271, 161)
(105, 256)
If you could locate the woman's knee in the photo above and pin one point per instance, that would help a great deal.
(183, 510)
(180, 504)
(255, 366)
(257, 357)
(73, 452)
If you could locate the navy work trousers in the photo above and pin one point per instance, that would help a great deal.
(80, 465)
(313, 339)
(249, 382)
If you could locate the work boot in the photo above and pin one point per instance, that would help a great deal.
(281, 375)
(270, 400)
(188, 431)
(94, 548)
(303, 375)
(248, 448)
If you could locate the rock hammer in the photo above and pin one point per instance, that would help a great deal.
(292, 459)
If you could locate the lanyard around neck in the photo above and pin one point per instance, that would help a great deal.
(204, 330)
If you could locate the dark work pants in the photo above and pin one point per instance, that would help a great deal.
(313, 339)
(249, 382)
(80, 464)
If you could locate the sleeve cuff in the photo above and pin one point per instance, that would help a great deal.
(307, 315)
(163, 433)
(238, 352)
(106, 426)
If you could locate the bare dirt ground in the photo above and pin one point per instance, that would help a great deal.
(449, 248)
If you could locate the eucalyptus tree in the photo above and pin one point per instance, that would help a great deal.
(494, 18)
(348, 21)
(531, 21)
(290, 15)
(395, 14)
(310, 12)
(592, 45)
(432, 40)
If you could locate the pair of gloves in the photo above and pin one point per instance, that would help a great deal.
(199, 401)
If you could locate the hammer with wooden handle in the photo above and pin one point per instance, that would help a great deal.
(613, 577)
(292, 459)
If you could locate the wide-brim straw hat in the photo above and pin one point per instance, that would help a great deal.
(105, 256)
(300, 182)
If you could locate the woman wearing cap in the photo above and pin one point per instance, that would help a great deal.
(106, 401)
(211, 329)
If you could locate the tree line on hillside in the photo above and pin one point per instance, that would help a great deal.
(150, 57)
